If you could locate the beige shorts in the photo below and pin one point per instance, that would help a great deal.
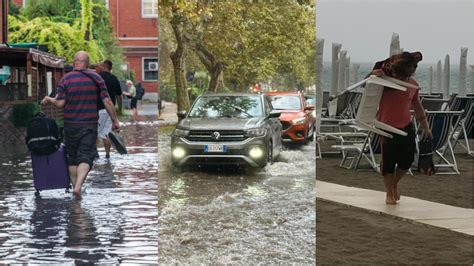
(105, 124)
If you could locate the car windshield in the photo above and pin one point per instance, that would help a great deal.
(285, 102)
(227, 106)
(310, 100)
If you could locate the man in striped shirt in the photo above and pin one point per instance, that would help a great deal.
(78, 93)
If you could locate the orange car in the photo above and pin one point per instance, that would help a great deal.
(296, 119)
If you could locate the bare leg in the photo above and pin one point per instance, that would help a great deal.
(135, 114)
(388, 182)
(399, 173)
(82, 171)
(73, 174)
(107, 147)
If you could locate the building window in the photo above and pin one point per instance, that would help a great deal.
(150, 69)
(149, 8)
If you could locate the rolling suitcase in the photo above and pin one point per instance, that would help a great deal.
(50, 171)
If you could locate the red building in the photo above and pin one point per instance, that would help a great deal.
(135, 23)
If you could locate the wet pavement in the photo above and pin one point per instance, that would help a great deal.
(232, 215)
(115, 222)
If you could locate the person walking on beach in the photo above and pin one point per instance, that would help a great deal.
(79, 95)
(394, 109)
(115, 94)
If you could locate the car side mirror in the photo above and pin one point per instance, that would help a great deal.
(274, 114)
(309, 108)
(181, 114)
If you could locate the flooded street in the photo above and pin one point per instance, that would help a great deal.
(231, 215)
(115, 222)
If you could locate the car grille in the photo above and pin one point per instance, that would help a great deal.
(208, 135)
(285, 125)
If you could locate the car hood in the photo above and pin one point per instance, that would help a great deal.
(219, 123)
(288, 116)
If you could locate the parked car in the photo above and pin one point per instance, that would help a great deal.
(238, 129)
(296, 118)
(311, 100)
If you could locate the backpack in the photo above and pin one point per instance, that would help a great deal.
(42, 135)
(140, 92)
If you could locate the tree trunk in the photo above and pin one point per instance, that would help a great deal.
(213, 66)
(179, 67)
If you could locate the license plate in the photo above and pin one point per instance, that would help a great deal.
(215, 148)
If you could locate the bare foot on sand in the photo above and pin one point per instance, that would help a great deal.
(396, 194)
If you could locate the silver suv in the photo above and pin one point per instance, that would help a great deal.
(222, 128)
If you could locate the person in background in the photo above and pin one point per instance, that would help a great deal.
(394, 109)
(115, 94)
(79, 92)
(132, 93)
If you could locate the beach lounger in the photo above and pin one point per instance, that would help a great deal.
(442, 125)
(354, 152)
(465, 131)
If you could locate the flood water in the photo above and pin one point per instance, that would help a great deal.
(115, 222)
(231, 215)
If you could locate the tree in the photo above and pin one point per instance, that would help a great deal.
(176, 13)
(67, 26)
(248, 40)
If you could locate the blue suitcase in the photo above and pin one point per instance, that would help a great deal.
(50, 171)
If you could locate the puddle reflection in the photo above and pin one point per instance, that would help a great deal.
(115, 222)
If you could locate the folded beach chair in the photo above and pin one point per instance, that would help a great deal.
(355, 151)
(434, 104)
(442, 125)
(465, 131)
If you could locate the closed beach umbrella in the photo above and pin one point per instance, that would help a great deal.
(472, 79)
(430, 81)
(462, 72)
(439, 79)
(342, 70)
(346, 75)
(354, 73)
(395, 44)
(336, 48)
(446, 78)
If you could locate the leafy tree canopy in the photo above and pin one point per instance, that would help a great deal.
(255, 40)
(67, 26)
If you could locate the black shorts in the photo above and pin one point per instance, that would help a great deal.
(399, 151)
(133, 103)
(80, 143)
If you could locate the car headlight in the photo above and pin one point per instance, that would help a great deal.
(256, 152)
(178, 152)
(256, 132)
(180, 132)
(298, 121)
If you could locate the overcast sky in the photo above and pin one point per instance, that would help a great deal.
(365, 27)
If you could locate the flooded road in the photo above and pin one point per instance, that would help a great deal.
(115, 222)
(234, 216)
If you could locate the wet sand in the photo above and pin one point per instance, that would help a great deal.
(347, 235)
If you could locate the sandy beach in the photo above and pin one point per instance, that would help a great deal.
(347, 235)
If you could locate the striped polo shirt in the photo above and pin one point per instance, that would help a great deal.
(81, 93)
